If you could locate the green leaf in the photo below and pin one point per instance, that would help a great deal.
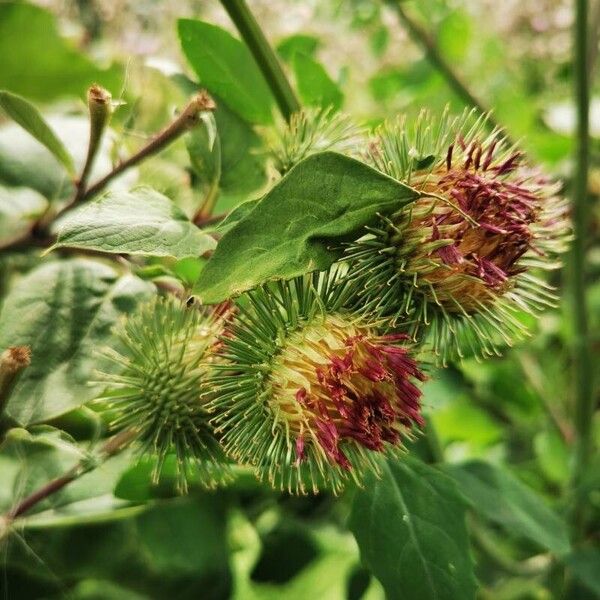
(137, 483)
(225, 66)
(585, 565)
(461, 420)
(65, 311)
(315, 86)
(98, 589)
(37, 63)
(411, 531)
(19, 209)
(24, 162)
(298, 224)
(306, 44)
(204, 149)
(241, 153)
(237, 214)
(141, 222)
(502, 498)
(243, 168)
(200, 544)
(29, 118)
(553, 456)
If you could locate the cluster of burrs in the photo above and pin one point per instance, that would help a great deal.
(310, 380)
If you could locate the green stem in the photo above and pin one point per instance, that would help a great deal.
(582, 355)
(436, 58)
(263, 55)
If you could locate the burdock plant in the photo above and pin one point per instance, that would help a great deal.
(155, 392)
(309, 392)
(458, 262)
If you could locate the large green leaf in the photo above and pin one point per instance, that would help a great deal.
(19, 209)
(294, 229)
(502, 498)
(411, 531)
(65, 311)
(141, 222)
(225, 66)
(29, 118)
(39, 64)
(314, 84)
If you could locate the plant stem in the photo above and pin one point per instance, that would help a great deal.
(435, 57)
(263, 55)
(112, 446)
(582, 355)
(188, 118)
(594, 35)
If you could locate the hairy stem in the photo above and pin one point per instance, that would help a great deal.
(188, 118)
(435, 57)
(263, 55)
(582, 355)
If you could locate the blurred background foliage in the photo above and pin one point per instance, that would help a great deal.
(114, 535)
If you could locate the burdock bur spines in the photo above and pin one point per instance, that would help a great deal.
(457, 262)
(308, 392)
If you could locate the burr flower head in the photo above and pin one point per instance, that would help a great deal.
(155, 391)
(312, 395)
(461, 254)
(311, 131)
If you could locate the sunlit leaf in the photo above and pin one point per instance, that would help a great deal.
(141, 222)
(225, 66)
(29, 118)
(19, 209)
(314, 84)
(26, 163)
